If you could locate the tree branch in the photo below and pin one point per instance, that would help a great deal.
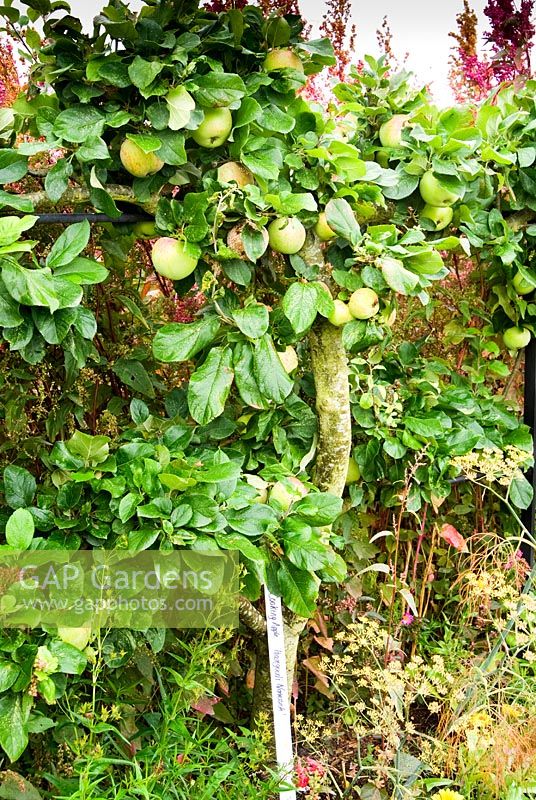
(74, 195)
(250, 617)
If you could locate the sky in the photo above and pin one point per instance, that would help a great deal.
(419, 27)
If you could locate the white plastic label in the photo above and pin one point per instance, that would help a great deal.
(278, 679)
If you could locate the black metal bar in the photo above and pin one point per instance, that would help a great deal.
(96, 219)
(529, 417)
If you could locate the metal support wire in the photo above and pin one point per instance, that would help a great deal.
(95, 219)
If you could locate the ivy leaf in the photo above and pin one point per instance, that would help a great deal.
(181, 104)
(299, 305)
(210, 385)
(272, 380)
(341, 219)
(13, 734)
(20, 529)
(181, 341)
(252, 320)
(299, 589)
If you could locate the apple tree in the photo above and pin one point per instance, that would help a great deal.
(184, 382)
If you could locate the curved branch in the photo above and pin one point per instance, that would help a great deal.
(74, 195)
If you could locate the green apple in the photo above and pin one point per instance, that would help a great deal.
(522, 285)
(340, 314)
(322, 229)
(382, 159)
(354, 473)
(441, 216)
(364, 303)
(171, 258)
(288, 491)
(282, 59)
(286, 235)
(77, 637)
(145, 229)
(215, 128)
(234, 172)
(137, 162)
(288, 358)
(391, 131)
(516, 338)
(428, 262)
(260, 485)
(433, 193)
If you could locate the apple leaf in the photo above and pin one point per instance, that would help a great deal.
(341, 219)
(300, 306)
(180, 106)
(20, 529)
(272, 380)
(181, 341)
(210, 385)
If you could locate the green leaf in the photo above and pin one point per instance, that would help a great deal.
(9, 672)
(133, 374)
(246, 381)
(19, 486)
(227, 471)
(30, 287)
(275, 119)
(181, 341)
(304, 548)
(69, 245)
(252, 320)
(397, 277)
(91, 449)
(79, 123)
(319, 508)
(255, 521)
(57, 179)
(299, 305)
(13, 166)
(142, 73)
(236, 541)
(145, 141)
(521, 492)
(342, 220)
(210, 385)
(10, 316)
(181, 104)
(83, 271)
(218, 89)
(71, 660)
(272, 380)
(14, 786)
(20, 529)
(53, 327)
(255, 242)
(13, 735)
(405, 185)
(11, 228)
(299, 589)
(128, 505)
